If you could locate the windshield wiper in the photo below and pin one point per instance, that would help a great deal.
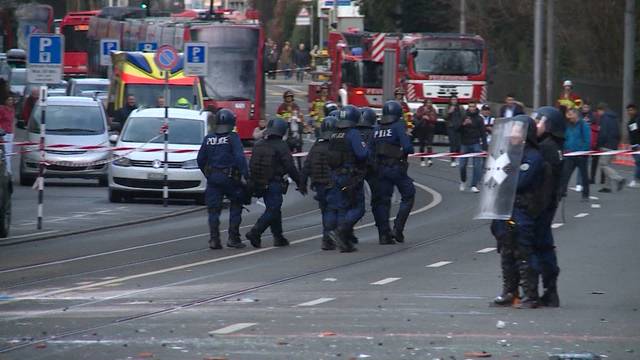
(72, 130)
(236, 98)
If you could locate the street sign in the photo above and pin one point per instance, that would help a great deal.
(44, 59)
(303, 18)
(147, 46)
(195, 55)
(106, 47)
(166, 57)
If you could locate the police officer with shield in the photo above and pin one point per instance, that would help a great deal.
(221, 159)
(346, 152)
(316, 167)
(391, 146)
(270, 162)
(551, 131)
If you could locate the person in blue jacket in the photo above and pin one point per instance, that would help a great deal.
(577, 138)
(391, 146)
(346, 152)
(221, 159)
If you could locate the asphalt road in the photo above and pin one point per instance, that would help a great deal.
(154, 290)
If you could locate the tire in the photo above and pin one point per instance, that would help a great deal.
(103, 181)
(115, 196)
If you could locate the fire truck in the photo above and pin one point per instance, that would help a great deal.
(429, 65)
(235, 78)
(74, 27)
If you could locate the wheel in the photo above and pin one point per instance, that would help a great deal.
(115, 196)
(103, 181)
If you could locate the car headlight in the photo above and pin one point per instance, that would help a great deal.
(123, 161)
(190, 164)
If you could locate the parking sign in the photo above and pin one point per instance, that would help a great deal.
(195, 59)
(44, 60)
(106, 47)
(147, 46)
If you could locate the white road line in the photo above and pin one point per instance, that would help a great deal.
(581, 215)
(486, 250)
(330, 279)
(316, 302)
(232, 328)
(33, 234)
(596, 206)
(556, 225)
(594, 198)
(437, 199)
(385, 281)
(439, 264)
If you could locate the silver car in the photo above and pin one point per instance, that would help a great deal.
(70, 120)
(140, 173)
(87, 86)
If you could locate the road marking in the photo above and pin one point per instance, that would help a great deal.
(596, 206)
(556, 225)
(439, 264)
(330, 279)
(316, 302)
(581, 215)
(385, 281)
(594, 198)
(437, 199)
(33, 234)
(232, 328)
(486, 250)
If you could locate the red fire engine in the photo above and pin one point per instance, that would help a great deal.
(74, 27)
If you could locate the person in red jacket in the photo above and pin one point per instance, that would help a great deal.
(425, 124)
(29, 104)
(569, 98)
(591, 118)
(7, 118)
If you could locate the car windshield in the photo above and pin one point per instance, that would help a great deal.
(448, 61)
(147, 95)
(182, 131)
(79, 88)
(18, 78)
(362, 74)
(69, 120)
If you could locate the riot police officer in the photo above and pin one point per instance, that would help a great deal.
(270, 162)
(551, 128)
(516, 236)
(221, 159)
(346, 151)
(368, 118)
(317, 168)
(391, 146)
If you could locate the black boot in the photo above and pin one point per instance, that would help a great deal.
(510, 278)
(328, 241)
(529, 284)
(344, 243)
(234, 240)
(214, 238)
(397, 235)
(353, 237)
(280, 241)
(385, 239)
(254, 238)
(550, 297)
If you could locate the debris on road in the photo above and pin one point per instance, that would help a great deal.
(501, 324)
(477, 354)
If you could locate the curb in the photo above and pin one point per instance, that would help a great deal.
(105, 227)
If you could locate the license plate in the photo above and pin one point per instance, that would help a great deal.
(155, 176)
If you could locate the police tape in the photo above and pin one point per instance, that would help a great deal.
(287, 70)
(567, 154)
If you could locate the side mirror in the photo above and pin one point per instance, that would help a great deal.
(113, 139)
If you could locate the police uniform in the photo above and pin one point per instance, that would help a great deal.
(346, 151)
(270, 162)
(317, 168)
(221, 159)
(365, 127)
(391, 147)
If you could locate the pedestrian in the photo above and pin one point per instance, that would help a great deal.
(551, 127)
(425, 124)
(301, 61)
(511, 107)
(221, 160)
(391, 147)
(7, 120)
(316, 167)
(346, 152)
(270, 162)
(258, 131)
(272, 59)
(473, 139)
(317, 108)
(634, 139)
(609, 139)
(515, 237)
(594, 125)
(568, 97)
(29, 104)
(284, 61)
(122, 114)
(453, 118)
(577, 138)
(489, 120)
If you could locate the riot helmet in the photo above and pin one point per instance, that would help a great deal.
(276, 127)
(368, 118)
(549, 120)
(391, 112)
(225, 121)
(528, 125)
(348, 117)
(329, 107)
(334, 113)
(328, 126)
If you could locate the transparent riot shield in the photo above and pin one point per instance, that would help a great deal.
(501, 169)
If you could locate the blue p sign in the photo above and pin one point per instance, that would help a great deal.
(45, 49)
(196, 59)
(147, 46)
(195, 54)
(106, 47)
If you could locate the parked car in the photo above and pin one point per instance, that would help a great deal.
(17, 81)
(142, 173)
(6, 190)
(85, 87)
(73, 120)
